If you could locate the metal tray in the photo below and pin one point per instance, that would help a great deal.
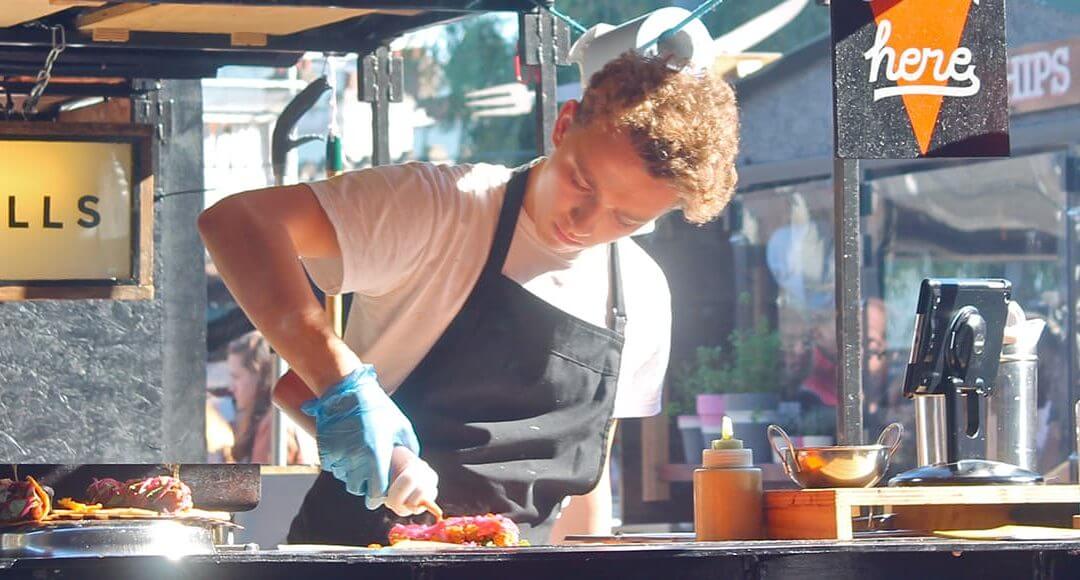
(81, 539)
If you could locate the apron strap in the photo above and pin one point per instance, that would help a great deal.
(508, 217)
(616, 305)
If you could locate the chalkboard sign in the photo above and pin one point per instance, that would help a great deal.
(919, 78)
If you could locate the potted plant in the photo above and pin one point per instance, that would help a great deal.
(752, 373)
(741, 381)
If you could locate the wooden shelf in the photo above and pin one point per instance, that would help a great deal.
(245, 24)
(827, 513)
(20, 11)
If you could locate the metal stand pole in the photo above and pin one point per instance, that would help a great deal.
(381, 80)
(1072, 294)
(544, 43)
(847, 238)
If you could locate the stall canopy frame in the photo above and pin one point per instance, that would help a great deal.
(96, 50)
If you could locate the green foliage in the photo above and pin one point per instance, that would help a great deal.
(479, 53)
(750, 364)
(477, 56)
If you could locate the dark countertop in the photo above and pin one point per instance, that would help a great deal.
(673, 549)
(898, 558)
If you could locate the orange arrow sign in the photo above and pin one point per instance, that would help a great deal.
(923, 35)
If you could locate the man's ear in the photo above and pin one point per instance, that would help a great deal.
(564, 121)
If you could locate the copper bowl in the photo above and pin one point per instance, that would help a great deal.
(838, 465)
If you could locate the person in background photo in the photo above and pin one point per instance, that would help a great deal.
(251, 373)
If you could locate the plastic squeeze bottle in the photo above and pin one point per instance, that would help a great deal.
(727, 491)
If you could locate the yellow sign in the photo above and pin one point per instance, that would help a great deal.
(66, 210)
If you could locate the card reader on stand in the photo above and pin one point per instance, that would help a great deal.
(959, 327)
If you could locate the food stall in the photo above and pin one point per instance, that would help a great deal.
(101, 49)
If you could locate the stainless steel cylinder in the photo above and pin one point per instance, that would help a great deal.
(1012, 414)
(930, 436)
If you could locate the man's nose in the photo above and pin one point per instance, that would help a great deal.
(584, 218)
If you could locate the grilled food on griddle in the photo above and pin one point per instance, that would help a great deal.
(23, 501)
(161, 494)
(484, 530)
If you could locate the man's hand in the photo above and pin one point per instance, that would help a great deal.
(414, 485)
(357, 427)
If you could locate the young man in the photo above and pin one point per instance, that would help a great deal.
(507, 312)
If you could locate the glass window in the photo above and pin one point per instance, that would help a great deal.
(791, 289)
(999, 219)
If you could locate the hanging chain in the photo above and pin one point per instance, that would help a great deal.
(59, 43)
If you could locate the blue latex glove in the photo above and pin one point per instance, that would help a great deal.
(357, 427)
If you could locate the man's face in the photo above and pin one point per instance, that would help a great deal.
(594, 188)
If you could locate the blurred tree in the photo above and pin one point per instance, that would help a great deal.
(479, 52)
(478, 55)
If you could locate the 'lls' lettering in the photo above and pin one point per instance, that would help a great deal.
(47, 215)
(88, 207)
(13, 222)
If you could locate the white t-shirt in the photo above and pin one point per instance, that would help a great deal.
(414, 239)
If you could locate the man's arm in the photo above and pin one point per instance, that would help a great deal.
(256, 239)
(589, 513)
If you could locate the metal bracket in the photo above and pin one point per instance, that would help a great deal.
(164, 125)
(395, 72)
(382, 81)
(534, 30)
(544, 44)
(381, 69)
(531, 47)
(561, 31)
(368, 81)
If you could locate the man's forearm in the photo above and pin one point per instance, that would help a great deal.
(259, 263)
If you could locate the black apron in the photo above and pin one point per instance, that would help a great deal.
(512, 407)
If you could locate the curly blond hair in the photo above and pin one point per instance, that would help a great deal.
(685, 126)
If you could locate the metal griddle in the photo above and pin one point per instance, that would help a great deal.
(214, 487)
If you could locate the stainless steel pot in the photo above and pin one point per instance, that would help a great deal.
(840, 465)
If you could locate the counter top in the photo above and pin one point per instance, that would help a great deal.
(673, 549)
(770, 560)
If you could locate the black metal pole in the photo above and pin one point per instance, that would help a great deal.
(543, 43)
(849, 335)
(1072, 281)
